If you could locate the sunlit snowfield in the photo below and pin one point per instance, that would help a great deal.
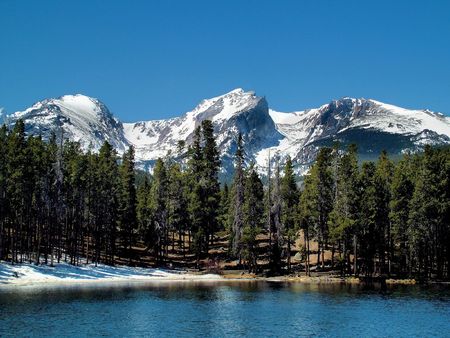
(215, 309)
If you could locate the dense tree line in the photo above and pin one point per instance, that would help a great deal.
(381, 217)
(58, 202)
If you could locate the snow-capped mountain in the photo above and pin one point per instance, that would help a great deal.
(371, 124)
(234, 112)
(78, 117)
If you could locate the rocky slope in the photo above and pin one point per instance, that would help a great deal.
(77, 117)
(371, 124)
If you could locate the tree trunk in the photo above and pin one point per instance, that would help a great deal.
(332, 256)
(308, 272)
(355, 257)
(318, 255)
(289, 255)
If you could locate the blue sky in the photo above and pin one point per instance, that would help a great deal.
(158, 59)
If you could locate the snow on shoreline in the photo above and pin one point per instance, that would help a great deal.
(66, 274)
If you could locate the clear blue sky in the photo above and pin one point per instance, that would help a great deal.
(157, 59)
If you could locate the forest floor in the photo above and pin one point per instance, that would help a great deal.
(180, 265)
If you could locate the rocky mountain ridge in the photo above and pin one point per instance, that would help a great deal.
(371, 124)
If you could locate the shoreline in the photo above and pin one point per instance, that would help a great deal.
(27, 276)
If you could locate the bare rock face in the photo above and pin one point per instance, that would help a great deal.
(371, 124)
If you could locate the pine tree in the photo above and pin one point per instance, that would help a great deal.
(144, 213)
(343, 218)
(196, 197)
(36, 150)
(253, 212)
(402, 188)
(3, 199)
(238, 200)
(91, 200)
(367, 217)
(276, 231)
(224, 208)
(383, 178)
(177, 204)
(429, 215)
(158, 204)
(289, 202)
(127, 201)
(16, 188)
(108, 185)
(211, 181)
(58, 201)
(308, 213)
(324, 179)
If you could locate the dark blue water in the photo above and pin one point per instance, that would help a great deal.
(255, 309)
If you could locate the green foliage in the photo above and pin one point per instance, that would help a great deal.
(58, 202)
(127, 200)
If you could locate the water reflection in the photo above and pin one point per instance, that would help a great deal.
(225, 309)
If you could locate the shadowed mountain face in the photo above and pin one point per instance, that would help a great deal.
(371, 124)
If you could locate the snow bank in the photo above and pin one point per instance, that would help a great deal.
(63, 273)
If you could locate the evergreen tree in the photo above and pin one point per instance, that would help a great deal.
(60, 202)
(16, 169)
(289, 202)
(224, 209)
(276, 230)
(178, 217)
(324, 202)
(196, 197)
(308, 213)
(238, 200)
(3, 199)
(106, 218)
(73, 195)
(127, 200)
(383, 179)
(91, 202)
(253, 212)
(428, 225)
(368, 217)
(211, 185)
(158, 204)
(402, 188)
(144, 213)
(343, 218)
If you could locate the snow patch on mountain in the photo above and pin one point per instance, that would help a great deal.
(153, 139)
(78, 117)
(266, 132)
(397, 120)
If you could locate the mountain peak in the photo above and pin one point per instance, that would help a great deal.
(225, 106)
(372, 124)
(82, 118)
(236, 91)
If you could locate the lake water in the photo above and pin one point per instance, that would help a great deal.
(256, 309)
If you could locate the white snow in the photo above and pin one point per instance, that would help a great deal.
(400, 120)
(83, 119)
(154, 138)
(86, 122)
(63, 273)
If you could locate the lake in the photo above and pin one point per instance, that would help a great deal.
(254, 309)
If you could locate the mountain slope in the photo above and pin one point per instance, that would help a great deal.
(80, 118)
(371, 124)
(234, 112)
